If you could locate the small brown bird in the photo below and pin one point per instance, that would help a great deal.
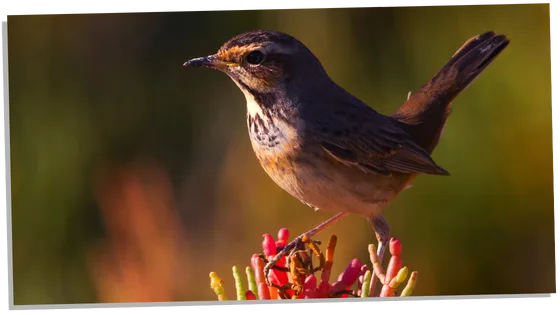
(326, 147)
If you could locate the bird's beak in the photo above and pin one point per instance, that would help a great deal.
(211, 61)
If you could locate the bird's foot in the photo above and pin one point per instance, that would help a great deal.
(287, 250)
(299, 243)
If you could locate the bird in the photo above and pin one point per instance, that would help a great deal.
(326, 147)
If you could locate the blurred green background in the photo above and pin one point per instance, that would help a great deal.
(133, 177)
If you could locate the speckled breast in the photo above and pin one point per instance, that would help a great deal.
(277, 148)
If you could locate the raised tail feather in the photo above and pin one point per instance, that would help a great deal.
(424, 114)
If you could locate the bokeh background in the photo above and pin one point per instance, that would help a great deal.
(133, 177)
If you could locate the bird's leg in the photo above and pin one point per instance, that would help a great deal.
(382, 231)
(298, 240)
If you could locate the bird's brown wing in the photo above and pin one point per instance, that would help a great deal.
(373, 143)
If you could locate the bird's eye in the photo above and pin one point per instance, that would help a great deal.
(255, 57)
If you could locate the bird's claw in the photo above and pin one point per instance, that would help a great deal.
(292, 247)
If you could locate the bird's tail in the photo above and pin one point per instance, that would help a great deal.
(424, 114)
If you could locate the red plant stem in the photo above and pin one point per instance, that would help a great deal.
(395, 264)
(273, 293)
(281, 276)
(269, 248)
(283, 236)
(269, 245)
(310, 287)
(324, 289)
(250, 295)
(326, 273)
(258, 267)
(264, 292)
(352, 272)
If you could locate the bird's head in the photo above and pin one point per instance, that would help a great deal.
(264, 62)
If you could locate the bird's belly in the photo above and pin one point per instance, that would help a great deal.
(317, 180)
(279, 160)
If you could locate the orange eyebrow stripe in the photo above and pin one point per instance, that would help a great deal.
(231, 53)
